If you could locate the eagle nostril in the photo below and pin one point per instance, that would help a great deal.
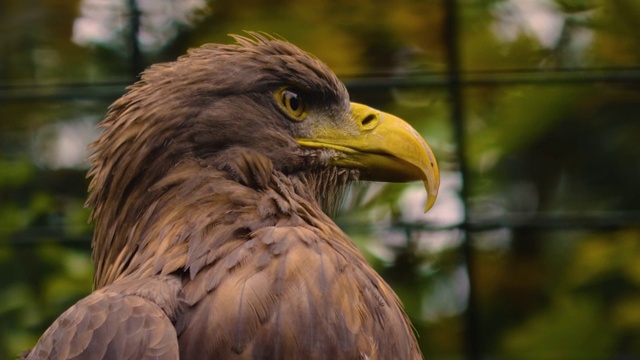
(369, 121)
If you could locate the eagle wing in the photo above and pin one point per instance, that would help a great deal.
(114, 323)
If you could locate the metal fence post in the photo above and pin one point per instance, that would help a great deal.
(454, 84)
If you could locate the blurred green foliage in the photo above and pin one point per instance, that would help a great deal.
(534, 149)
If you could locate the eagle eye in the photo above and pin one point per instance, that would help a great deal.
(292, 103)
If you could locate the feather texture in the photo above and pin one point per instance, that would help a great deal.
(211, 238)
(131, 320)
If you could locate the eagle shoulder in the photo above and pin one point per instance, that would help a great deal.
(130, 319)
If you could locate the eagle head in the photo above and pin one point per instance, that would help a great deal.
(250, 109)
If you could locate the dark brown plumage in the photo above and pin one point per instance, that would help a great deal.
(208, 188)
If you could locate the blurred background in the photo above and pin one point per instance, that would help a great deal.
(531, 106)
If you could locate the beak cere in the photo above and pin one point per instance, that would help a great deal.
(385, 148)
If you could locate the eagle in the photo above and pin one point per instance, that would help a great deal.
(211, 185)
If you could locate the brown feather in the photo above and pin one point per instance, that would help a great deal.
(131, 319)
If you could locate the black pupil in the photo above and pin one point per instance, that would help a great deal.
(293, 101)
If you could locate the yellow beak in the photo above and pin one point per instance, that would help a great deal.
(384, 148)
